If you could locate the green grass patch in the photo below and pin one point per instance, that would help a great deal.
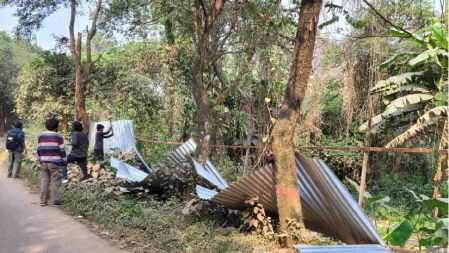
(150, 221)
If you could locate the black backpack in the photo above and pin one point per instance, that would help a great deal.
(12, 141)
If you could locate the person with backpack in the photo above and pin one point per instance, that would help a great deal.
(99, 136)
(80, 144)
(52, 157)
(15, 144)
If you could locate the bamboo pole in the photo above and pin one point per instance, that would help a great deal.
(364, 165)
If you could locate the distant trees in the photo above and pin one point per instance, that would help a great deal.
(31, 15)
(45, 89)
(13, 55)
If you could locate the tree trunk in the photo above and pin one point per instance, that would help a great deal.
(287, 191)
(82, 73)
(80, 90)
(203, 114)
(442, 159)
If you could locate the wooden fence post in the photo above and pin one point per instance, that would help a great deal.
(364, 165)
(248, 143)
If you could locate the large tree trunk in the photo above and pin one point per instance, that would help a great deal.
(203, 113)
(287, 191)
(205, 22)
(442, 160)
(82, 73)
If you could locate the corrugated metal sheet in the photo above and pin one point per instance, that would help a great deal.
(258, 184)
(127, 171)
(327, 206)
(365, 248)
(211, 174)
(123, 139)
(205, 193)
(181, 153)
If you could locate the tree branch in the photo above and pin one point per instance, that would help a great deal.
(242, 72)
(388, 21)
(90, 35)
(72, 32)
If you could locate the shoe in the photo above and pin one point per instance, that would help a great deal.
(57, 204)
(9, 176)
(65, 181)
(16, 176)
(43, 204)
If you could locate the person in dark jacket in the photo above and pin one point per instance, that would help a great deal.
(99, 136)
(78, 155)
(15, 156)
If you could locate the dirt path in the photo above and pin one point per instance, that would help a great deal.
(27, 227)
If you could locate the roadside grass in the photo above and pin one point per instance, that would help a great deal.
(155, 222)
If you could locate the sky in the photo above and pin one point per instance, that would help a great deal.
(56, 24)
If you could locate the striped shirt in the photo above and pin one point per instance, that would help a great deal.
(50, 148)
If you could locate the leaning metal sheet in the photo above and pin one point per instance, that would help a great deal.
(182, 152)
(365, 248)
(123, 139)
(211, 174)
(327, 206)
(258, 184)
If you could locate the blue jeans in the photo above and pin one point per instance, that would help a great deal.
(81, 161)
(64, 173)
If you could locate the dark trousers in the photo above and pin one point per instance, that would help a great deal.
(15, 160)
(99, 153)
(82, 162)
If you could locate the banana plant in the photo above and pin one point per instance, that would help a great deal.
(422, 91)
(431, 232)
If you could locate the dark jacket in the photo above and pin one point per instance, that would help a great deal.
(20, 136)
(80, 142)
(99, 136)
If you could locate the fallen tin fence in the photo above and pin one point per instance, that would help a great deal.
(328, 207)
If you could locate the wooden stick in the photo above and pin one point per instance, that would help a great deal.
(364, 165)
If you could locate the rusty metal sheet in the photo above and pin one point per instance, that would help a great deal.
(328, 207)
(365, 248)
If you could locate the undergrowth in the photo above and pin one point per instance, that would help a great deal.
(150, 221)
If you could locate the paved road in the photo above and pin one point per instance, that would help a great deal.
(26, 227)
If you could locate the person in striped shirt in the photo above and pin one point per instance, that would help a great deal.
(52, 157)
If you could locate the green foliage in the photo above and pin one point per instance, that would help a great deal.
(45, 88)
(400, 235)
(418, 92)
(13, 55)
(430, 231)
